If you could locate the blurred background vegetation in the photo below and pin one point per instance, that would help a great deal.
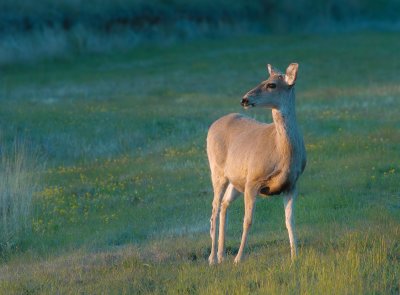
(35, 29)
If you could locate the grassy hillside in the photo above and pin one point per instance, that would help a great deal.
(125, 200)
(35, 30)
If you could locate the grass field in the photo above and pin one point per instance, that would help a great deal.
(125, 199)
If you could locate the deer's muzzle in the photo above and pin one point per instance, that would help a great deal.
(246, 103)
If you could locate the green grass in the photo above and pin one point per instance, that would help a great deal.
(126, 195)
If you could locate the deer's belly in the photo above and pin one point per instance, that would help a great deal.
(265, 188)
(236, 174)
(238, 184)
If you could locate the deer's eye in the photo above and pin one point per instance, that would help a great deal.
(271, 85)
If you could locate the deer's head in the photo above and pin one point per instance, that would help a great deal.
(274, 92)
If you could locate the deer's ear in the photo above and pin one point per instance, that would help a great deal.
(291, 74)
(272, 71)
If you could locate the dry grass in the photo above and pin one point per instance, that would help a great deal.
(19, 175)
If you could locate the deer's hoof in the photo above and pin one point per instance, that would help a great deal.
(212, 260)
(237, 260)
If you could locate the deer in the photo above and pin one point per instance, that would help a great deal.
(256, 159)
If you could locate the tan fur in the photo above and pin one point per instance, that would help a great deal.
(257, 158)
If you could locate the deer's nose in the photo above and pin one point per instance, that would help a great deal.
(245, 101)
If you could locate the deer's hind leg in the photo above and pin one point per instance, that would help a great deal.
(219, 185)
(230, 195)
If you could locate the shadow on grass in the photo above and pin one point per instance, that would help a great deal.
(230, 250)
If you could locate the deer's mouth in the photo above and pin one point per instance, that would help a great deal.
(248, 105)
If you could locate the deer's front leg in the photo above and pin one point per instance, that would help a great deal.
(288, 202)
(249, 204)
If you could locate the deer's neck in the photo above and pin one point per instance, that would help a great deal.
(288, 136)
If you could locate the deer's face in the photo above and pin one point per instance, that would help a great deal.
(273, 92)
